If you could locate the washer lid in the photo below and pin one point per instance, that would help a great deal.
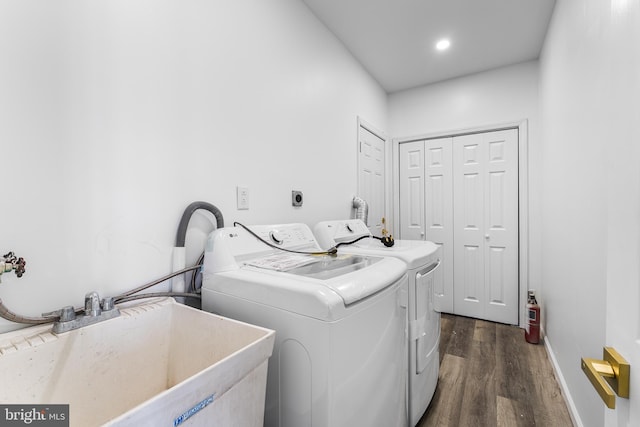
(351, 276)
(415, 253)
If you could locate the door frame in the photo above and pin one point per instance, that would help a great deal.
(523, 193)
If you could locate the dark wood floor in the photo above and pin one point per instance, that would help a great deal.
(490, 376)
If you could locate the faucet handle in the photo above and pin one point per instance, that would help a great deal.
(65, 314)
(20, 267)
(108, 303)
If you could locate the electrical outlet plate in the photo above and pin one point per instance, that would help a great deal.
(242, 194)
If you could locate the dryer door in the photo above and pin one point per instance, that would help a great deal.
(427, 320)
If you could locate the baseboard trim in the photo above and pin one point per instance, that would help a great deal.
(573, 411)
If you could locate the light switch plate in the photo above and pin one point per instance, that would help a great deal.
(242, 194)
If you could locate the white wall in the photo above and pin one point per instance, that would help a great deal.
(115, 115)
(492, 97)
(590, 110)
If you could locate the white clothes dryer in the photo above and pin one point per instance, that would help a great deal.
(422, 261)
(339, 357)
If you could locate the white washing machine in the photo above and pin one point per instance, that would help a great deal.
(339, 358)
(422, 262)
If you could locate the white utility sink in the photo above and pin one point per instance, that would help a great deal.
(147, 367)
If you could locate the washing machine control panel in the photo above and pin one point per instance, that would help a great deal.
(228, 248)
(286, 235)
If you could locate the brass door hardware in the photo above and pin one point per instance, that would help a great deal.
(610, 373)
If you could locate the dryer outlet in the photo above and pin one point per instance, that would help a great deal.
(296, 198)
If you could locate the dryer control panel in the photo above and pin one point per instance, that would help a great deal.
(329, 233)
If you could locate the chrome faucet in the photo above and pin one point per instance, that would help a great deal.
(95, 311)
(92, 304)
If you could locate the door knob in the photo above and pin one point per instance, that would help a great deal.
(610, 373)
(486, 236)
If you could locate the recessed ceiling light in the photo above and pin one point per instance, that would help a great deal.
(443, 44)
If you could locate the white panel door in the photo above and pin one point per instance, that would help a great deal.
(412, 172)
(439, 214)
(371, 176)
(485, 181)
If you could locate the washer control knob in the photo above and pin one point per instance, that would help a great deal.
(276, 237)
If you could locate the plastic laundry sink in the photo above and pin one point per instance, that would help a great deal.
(158, 363)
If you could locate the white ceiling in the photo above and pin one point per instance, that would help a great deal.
(394, 39)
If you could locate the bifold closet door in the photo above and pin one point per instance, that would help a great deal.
(426, 206)
(485, 183)
(439, 215)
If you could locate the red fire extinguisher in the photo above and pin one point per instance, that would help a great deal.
(532, 331)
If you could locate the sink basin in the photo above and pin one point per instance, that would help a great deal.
(159, 363)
